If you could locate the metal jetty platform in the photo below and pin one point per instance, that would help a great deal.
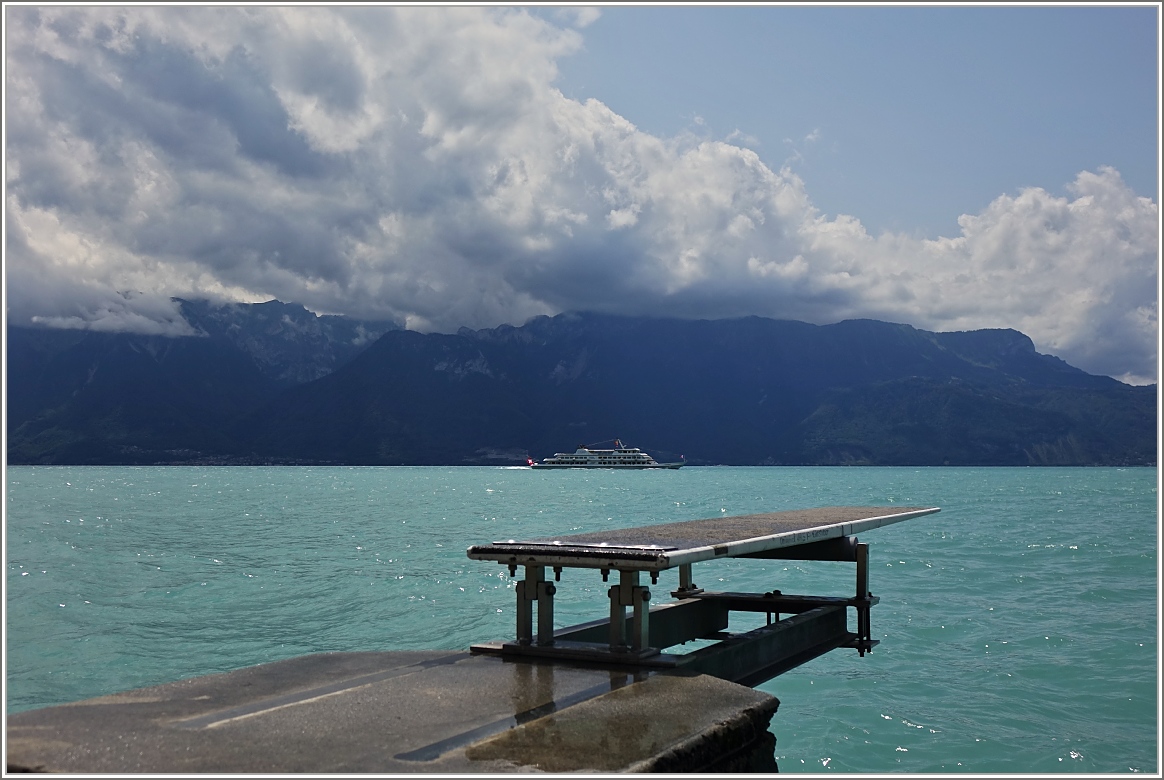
(636, 632)
(603, 696)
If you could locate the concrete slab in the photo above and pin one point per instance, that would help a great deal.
(403, 712)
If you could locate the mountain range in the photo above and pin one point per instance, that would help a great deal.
(274, 383)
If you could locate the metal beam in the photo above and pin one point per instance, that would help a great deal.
(777, 602)
(670, 624)
(765, 652)
(841, 548)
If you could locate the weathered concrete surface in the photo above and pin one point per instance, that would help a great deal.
(401, 712)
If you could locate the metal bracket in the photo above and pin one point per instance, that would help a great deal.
(687, 588)
(629, 593)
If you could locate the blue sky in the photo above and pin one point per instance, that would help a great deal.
(949, 168)
(915, 115)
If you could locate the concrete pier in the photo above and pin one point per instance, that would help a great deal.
(405, 712)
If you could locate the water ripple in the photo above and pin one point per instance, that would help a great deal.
(1018, 626)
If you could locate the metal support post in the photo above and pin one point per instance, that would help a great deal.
(686, 586)
(862, 571)
(864, 630)
(528, 591)
(617, 619)
(640, 618)
(546, 592)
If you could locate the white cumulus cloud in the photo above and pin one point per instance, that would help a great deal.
(419, 164)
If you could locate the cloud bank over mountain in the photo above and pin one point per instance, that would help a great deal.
(418, 164)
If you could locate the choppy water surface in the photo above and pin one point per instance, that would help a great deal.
(1018, 626)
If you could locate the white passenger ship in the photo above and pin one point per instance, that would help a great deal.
(619, 457)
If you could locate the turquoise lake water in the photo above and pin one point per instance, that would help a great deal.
(1018, 626)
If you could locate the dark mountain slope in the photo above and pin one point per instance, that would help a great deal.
(287, 343)
(1012, 353)
(118, 398)
(923, 421)
(744, 391)
(741, 391)
(76, 396)
(409, 399)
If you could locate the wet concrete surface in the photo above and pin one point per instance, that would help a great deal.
(403, 712)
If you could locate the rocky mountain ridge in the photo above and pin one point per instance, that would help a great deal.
(287, 342)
